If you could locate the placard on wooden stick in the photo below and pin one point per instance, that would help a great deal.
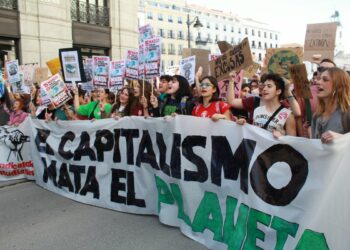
(298, 74)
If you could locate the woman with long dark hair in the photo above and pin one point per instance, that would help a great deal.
(123, 105)
(209, 104)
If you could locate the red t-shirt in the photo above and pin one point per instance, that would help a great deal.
(214, 108)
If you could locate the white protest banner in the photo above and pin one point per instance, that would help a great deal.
(142, 57)
(320, 41)
(56, 90)
(28, 72)
(152, 57)
(15, 161)
(101, 70)
(12, 70)
(187, 68)
(72, 65)
(88, 70)
(117, 72)
(145, 33)
(132, 64)
(235, 59)
(226, 186)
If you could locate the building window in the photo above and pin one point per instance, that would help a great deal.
(260, 57)
(276, 37)
(163, 48)
(253, 32)
(216, 38)
(265, 35)
(259, 45)
(179, 51)
(171, 63)
(170, 34)
(208, 25)
(276, 46)
(239, 30)
(209, 39)
(232, 41)
(180, 35)
(88, 11)
(216, 26)
(171, 49)
(232, 29)
(270, 35)
(160, 16)
(161, 33)
(170, 19)
(271, 45)
(265, 45)
(149, 15)
(253, 44)
(259, 33)
(224, 27)
(179, 19)
(246, 31)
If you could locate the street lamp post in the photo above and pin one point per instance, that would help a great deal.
(197, 24)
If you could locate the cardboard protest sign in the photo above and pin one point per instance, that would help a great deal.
(100, 66)
(251, 70)
(28, 72)
(56, 90)
(187, 68)
(298, 74)
(320, 41)
(54, 66)
(12, 70)
(145, 33)
(235, 59)
(72, 65)
(88, 70)
(152, 57)
(116, 75)
(132, 64)
(279, 60)
(41, 74)
(224, 46)
(202, 56)
(142, 58)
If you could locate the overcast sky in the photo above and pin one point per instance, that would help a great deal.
(290, 17)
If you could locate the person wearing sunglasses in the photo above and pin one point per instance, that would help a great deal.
(209, 104)
(332, 117)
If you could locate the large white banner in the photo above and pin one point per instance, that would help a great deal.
(225, 186)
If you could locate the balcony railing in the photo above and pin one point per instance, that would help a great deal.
(89, 13)
(9, 4)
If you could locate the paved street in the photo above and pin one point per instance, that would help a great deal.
(33, 218)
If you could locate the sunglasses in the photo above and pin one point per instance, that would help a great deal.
(205, 85)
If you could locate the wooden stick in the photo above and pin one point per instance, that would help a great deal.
(143, 86)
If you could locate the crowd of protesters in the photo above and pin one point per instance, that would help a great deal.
(266, 101)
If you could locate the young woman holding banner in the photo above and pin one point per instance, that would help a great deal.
(178, 99)
(95, 109)
(332, 117)
(122, 107)
(209, 104)
(273, 116)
